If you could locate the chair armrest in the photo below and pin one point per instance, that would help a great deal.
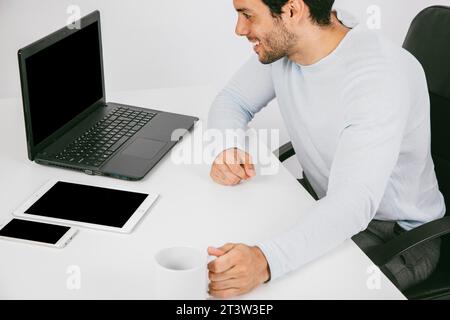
(431, 230)
(285, 152)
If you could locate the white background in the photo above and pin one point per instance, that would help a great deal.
(159, 43)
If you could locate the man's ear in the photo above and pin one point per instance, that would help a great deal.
(295, 9)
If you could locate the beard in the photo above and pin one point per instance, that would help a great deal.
(276, 44)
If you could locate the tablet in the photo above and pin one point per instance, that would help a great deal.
(91, 206)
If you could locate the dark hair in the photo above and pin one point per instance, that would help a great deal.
(320, 10)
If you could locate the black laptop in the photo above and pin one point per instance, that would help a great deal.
(68, 122)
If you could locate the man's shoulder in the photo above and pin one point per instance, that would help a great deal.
(373, 47)
(373, 57)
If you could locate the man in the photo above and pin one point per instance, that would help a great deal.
(357, 111)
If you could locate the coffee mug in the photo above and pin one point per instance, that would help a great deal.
(181, 273)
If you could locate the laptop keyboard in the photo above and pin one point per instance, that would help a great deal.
(105, 137)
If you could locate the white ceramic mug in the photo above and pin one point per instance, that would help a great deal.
(181, 273)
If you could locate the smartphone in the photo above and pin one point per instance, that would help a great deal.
(50, 235)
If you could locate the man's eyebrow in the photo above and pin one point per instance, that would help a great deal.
(243, 10)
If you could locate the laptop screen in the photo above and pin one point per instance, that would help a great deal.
(63, 80)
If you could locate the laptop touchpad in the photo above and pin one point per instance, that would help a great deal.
(144, 148)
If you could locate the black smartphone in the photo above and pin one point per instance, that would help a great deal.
(32, 232)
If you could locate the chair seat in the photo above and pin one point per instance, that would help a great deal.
(436, 287)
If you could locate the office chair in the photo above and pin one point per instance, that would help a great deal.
(428, 39)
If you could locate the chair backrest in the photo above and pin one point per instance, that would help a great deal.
(428, 39)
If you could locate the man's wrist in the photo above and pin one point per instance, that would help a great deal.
(262, 261)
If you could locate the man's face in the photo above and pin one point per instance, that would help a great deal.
(271, 39)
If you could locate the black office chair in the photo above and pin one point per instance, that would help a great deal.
(428, 40)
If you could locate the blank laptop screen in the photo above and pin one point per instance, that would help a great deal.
(63, 80)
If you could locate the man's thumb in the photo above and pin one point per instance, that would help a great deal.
(249, 169)
(247, 163)
(215, 252)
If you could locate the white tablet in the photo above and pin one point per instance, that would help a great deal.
(91, 206)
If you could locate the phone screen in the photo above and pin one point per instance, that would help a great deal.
(34, 231)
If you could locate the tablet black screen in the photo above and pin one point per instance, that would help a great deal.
(89, 204)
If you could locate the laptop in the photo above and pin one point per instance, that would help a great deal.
(68, 122)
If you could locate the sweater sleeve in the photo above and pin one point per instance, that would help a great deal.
(249, 91)
(368, 149)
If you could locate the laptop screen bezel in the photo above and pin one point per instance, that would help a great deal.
(38, 46)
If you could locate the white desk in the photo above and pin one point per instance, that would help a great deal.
(191, 210)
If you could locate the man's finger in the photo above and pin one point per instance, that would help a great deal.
(223, 263)
(221, 250)
(233, 159)
(216, 174)
(238, 170)
(230, 156)
(218, 177)
(227, 275)
(229, 176)
(248, 165)
(249, 169)
(227, 293)
(215, 252)
(227, 247)
(224, 176)
(226, 284)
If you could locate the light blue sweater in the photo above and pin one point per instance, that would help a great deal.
(359, 120)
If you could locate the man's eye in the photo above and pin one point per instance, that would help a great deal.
(246, 16)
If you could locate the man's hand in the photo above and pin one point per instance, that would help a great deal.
(237, 270)
(232, 166)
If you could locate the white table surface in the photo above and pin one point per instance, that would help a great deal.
(191, 210)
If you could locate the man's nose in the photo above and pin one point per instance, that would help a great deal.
(241, 28)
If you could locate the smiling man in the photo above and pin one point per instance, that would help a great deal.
(357, 111)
